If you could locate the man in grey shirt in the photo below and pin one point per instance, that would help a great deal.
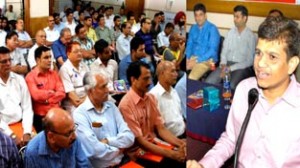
(238, 51)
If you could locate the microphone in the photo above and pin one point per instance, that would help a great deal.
(252, 101)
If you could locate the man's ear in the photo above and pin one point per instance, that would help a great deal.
(293, 64)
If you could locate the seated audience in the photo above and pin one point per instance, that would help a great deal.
(71, 74)
(101, 128)
(25, 41)
(168, 99)
(163, 36)
(104, 64)
(140, 111)
(40, 38)
(18, 63)
(16, 102)
(70, 22)
(58, 24)
(57, 145)
(45, 86)
(104, 32)
(9, 152)
(180, 24)
(202, 45)
(89, 29)
(59, 46)
(237, 51)
(86, 44)
(51, 32)
(123, 42)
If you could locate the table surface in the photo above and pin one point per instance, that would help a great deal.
(204, 125)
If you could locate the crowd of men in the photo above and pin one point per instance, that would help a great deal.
(60, 95)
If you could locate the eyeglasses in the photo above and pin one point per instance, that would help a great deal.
(67, 135)
(51, 20)
(6, 60)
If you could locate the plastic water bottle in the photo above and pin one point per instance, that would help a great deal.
(226, 89)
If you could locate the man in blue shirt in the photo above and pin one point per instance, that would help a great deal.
(137, 52)
(57, 145)
(101, 127)
(9, 152)
(59, 46)
(203, 44)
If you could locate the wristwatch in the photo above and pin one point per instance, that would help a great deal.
(13, 136)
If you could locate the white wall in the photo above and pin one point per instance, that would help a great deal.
(39, 8)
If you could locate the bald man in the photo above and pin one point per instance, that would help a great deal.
(57, 145)
(169, 103)
(40, 38)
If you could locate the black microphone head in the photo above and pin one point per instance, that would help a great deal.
(252, 96)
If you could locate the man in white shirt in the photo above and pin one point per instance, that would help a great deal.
(25, 41)
(51, 32)
(10, 14)
(237, 52)
(71, 74)
(123, 42)
(104, 64)
(2, 34)
(16, 101)
(109, 17)
(167, 97)
(70, 22)
(163, 37)
(40, 38)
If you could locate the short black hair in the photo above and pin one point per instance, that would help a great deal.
(134, 70)
(100, 45)
(276, 10)
(144, 20)
(69, 11)
(116, 17)
(242, 9)
(87, 17)
(55, 15)
(10, 35)
(4, 50)
(169, 25)
(99, 17)
(78, 27)
(156, 15)
(200, 7)
(123, 25)
(39, 51)
(282, 29)
(136, 42)
(130, 14)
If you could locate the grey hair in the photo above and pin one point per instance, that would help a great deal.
(89, 80)
(64, 30)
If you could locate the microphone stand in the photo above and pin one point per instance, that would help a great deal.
(254, 95)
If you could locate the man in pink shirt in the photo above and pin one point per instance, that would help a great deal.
(140, 111)
(45, 86)
(270, 139)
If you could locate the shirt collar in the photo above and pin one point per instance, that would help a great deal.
(292, 93)
(12, 75)
(136, 98)
(160, 89)
(43, 146)
(89, 105)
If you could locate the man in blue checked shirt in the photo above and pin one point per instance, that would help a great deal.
(203, 44)
(101, 128)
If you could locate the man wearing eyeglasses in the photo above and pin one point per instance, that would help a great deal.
(57, 145)
(15, 97)
(101, 127)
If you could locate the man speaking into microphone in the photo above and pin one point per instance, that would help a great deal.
(272, 138)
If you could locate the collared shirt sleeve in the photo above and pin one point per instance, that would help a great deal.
(130, 119)
(26, 106)
(224, 147)
(9, 152)
(56, 51)
(39, 95)
(81, 159)
(160, 41)
(66, 79)
(189, 45)
(121, 46)
(59, 90)
(91, 145)
(31, 59)
(225, 49)
(125, 137)
(213, 45)
(122, 70)
(249, 57)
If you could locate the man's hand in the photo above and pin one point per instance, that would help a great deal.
(178, 155)
(26, 139)
(193, 164)
(190, 63)
(105, 141)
